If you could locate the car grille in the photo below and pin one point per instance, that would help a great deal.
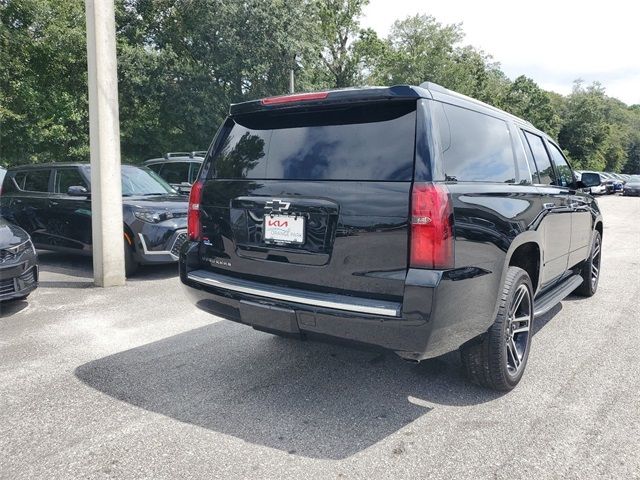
(7, 286)
(6, 256)
(180, 239)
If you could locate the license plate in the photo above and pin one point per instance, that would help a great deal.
(283, 229)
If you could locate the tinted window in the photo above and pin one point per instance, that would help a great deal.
(475, 147)
(545, 170)
(176, 172)
(33, 180)
(565, 176)
(368, 142)
(529, 155)
(68, 177)
(195, 168)
(155, 167)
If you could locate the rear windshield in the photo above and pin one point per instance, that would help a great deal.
(366, 142)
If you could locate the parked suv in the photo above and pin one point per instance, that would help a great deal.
(411, 218)
(52, 203)
(179, 169)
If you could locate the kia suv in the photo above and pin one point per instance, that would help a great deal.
(52, 202)
(411, 218)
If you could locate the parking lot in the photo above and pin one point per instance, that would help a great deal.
(135, 382)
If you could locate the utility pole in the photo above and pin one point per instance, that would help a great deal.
(104, 132)
(291, 81)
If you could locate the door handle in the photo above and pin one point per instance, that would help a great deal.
(52, 203)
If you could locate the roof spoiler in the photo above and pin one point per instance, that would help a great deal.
(326, 98)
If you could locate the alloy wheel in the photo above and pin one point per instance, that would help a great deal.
(518, 329)
(595, 263)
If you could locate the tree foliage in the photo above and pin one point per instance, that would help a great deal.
(182, 62)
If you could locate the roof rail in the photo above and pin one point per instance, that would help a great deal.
(434, 87)
(176, 154)
(196, 153)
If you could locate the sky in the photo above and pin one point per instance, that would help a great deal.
(553, 42)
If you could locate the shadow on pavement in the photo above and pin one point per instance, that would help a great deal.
(311, 399)
(10, 307)
(81, 267)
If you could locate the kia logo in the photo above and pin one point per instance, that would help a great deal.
(278, 223)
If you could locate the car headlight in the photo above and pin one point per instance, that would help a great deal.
(147, 216)
(151, 216)
(17, 249)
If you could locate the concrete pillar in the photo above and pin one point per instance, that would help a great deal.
(104, 130)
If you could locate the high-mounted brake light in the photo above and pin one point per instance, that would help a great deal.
(299, 97)
(194, 229)
(431, 227)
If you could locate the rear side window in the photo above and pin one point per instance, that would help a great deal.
(541, 157)
(33, 180)
(565, 176)
(68, 177)
(155, 167)
(367, 142)
(474, 147)
(175, 172)
(195, 168)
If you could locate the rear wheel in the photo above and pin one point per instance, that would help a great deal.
(498, 359)
(591, 269)
(130, 264)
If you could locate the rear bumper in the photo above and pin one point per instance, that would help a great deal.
(437, 315)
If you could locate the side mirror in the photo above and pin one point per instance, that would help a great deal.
(589, 179)
(78, 191)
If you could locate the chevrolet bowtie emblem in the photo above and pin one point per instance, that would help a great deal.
(276, 205)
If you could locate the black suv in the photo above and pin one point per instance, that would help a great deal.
(411, 218)
(52, 203)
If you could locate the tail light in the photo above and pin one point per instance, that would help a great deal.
(194, 229)
(298, 97)
(431, 227)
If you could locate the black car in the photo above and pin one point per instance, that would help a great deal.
(632, 186)
(53, 203)
(411, 218)
(179, 169)
(18, 263)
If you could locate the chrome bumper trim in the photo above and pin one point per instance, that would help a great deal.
(175, 237)
(315, 299)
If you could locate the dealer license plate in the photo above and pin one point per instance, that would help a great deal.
(284, 229)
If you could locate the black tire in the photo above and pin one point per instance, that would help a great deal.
(498, 358)
(130, 264)
(591, 269)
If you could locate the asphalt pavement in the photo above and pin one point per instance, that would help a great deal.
(135, 382)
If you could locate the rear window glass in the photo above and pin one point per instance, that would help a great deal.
(475, 147)
(175, 172)
(368, 142)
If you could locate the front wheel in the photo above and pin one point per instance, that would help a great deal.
(130, 264)
(498, 358)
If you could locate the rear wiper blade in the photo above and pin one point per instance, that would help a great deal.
(150, 194)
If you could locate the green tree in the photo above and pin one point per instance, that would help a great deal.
(43, 95)
(527, 100)
(585, 129)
